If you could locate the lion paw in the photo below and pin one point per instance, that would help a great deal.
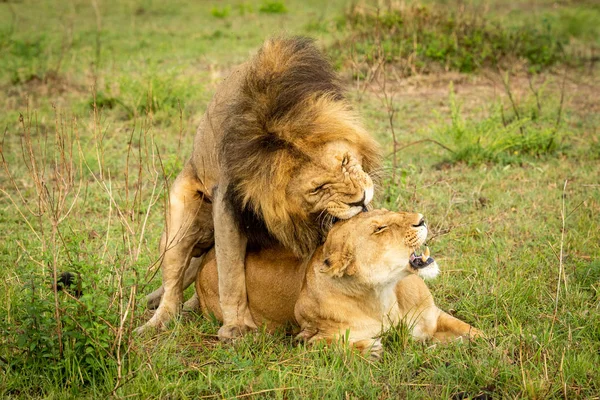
(193, 304)
(229, 333)
(148, 328)
(154, 298)
(162, 316)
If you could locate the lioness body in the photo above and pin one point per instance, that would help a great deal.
(273, 280)
(276, 157)
(352, 286)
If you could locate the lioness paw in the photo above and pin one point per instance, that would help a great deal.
(475, 333)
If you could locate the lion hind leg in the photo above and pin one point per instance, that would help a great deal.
(450, 328)
(153, 299)
(189, 232)
(192, 304)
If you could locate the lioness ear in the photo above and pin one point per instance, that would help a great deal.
(339, 264)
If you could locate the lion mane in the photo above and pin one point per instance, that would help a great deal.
(290, 103)
(277, 156)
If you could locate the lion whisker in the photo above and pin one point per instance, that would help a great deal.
(324, 225)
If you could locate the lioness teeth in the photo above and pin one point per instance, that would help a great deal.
(426, 254)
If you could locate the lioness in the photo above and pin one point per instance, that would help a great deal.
(277, 157)
(359, 283)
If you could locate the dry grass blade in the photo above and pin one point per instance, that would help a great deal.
(561, 272)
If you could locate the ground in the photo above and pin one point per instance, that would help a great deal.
(99, 103)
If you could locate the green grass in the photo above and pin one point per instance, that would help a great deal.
(110, 99)
(428, 37)
(506, 135)
(272, 7)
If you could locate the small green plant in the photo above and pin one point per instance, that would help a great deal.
(272, 7)
(28, 59)
(222, 12)
(103, 101)
(86, 340)
(161, 95)
(245, 8)
(503, 137)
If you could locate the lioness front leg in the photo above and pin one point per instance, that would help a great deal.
(371, 348)
(450, 328)
(188, 233)
(230, 249)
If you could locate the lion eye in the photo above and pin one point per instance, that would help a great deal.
(345, 160)
(380, 229)
(317, 189)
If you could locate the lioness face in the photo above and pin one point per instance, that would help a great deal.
(376, 248)
(333, 183)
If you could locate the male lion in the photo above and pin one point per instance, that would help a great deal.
(362, 281)
(278, 155)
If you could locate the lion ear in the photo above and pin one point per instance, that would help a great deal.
(339, 264)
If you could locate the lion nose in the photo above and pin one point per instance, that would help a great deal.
(360, 203)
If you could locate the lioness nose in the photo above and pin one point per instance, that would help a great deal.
(421, 221)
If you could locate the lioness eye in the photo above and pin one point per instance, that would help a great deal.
(380, 229)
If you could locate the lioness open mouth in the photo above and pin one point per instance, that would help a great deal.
(420, 259)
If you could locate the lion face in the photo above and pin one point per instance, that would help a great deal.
(377, 248)
(333, 184)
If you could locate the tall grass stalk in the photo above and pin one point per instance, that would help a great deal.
(89, 336)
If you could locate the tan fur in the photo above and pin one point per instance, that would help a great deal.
(357, 285)
(277, 155)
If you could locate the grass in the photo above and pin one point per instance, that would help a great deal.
(100, 101)
(504, 136)
(425, 38)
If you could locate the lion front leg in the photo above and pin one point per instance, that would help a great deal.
(230, 249)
